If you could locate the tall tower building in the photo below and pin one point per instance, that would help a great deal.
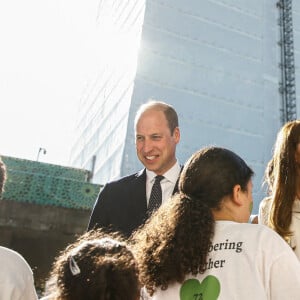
(228, 67)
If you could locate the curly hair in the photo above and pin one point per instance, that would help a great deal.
(97, 266)
(281, 176)
(175, 241)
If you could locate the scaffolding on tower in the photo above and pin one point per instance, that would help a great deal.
(287, 64)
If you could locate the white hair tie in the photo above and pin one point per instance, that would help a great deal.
(75, 270)
(107, 243)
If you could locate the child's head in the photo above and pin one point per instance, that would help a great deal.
(211, 174)
(215, 184)
(97, 266)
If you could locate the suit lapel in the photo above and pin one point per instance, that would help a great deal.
(139, 193)
(141, 189)
(138, 196)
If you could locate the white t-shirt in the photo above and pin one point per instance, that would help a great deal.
(16, 278)
(245, 262)
(263, 216)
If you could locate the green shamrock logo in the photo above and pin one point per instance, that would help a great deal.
(208, 289)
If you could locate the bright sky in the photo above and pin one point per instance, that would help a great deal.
(48, 56)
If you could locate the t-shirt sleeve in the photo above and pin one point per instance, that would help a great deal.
(263, 212)
(285, 276)
(278, 265)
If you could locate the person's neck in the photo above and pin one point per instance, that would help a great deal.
(222, 216)
(225, 214)
(165, 171)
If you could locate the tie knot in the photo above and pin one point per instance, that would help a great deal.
(159, 178)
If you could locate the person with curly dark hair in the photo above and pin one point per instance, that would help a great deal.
(199, 245)
(281, 209)
(97, 266)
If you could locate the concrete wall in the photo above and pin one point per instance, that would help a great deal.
(39, 232)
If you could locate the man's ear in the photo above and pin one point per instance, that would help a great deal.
(237, 191)
(176, 134)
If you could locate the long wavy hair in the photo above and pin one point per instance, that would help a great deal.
(174, 242)
(281, 178)
(98, 266)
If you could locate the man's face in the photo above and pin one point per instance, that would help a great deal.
(155, 146)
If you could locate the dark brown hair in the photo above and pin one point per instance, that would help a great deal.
(281, 175)
(174, 242)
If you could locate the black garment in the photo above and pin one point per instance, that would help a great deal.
(156, 195)
(122, 204)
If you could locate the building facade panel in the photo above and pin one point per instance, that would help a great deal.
(218, 63)
(219, 76)
(102, 125)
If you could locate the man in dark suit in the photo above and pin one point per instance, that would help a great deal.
(123, 205)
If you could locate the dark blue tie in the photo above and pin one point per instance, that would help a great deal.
(156, 195)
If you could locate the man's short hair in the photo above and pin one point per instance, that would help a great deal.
(167, 109)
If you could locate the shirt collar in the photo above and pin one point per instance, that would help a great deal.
(171, 175)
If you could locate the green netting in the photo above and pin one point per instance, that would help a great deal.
(36, 187)
(35, 167)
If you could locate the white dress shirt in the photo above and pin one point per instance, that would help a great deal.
(167, 184)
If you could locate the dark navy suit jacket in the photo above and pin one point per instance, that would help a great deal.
(122, 204)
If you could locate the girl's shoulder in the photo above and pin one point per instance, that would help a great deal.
(266, 202)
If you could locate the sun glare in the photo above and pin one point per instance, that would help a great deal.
(120, 48)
